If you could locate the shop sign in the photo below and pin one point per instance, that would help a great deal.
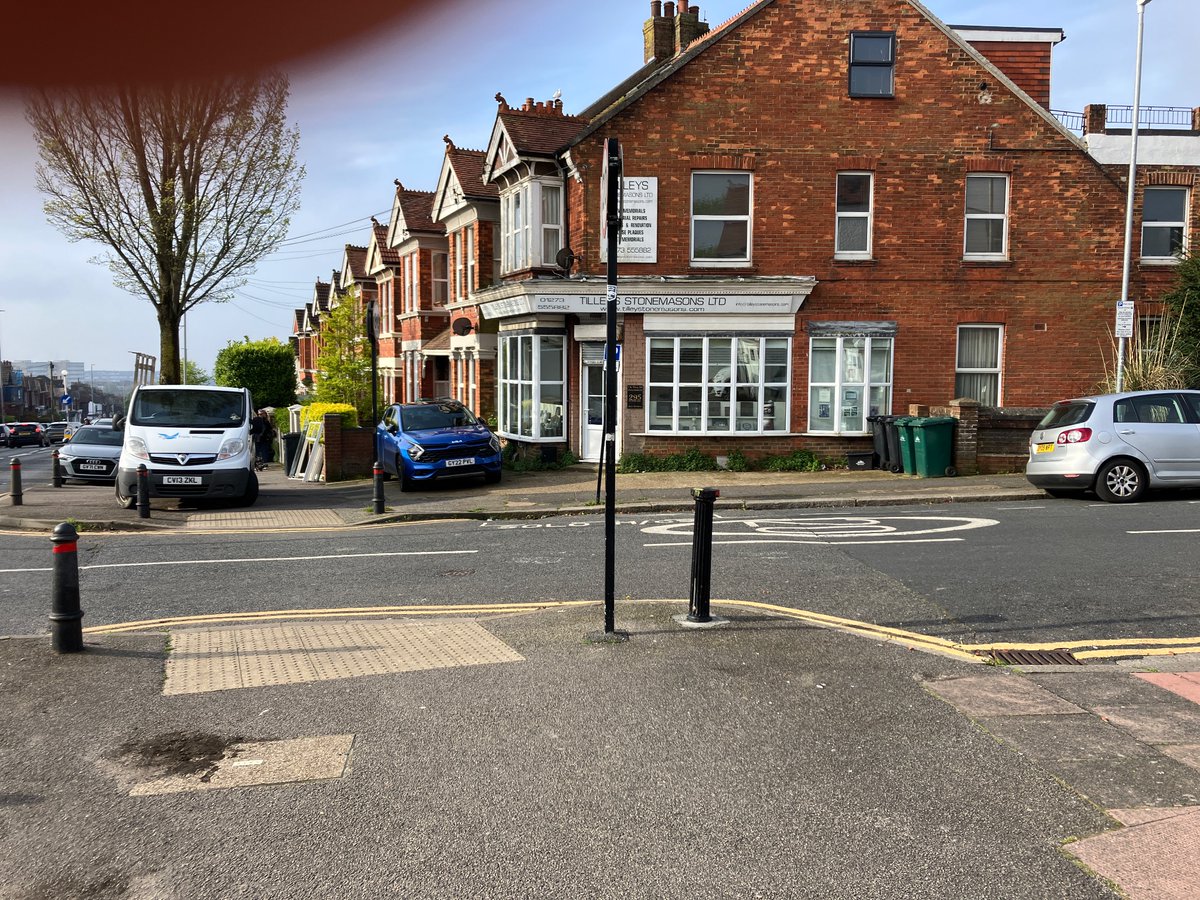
(638, 240)
(634, 396)
(642, 303)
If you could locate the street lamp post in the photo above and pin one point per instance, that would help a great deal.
(1130, 192)
(3, 417)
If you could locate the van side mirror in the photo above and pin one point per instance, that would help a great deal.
(118, 423)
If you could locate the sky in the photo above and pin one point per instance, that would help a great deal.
(376, 111)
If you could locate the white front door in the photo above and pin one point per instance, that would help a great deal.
(591, 424)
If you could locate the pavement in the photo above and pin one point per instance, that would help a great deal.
(511, 751)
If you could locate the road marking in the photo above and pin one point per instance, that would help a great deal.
(1168, 531)
(257, 559)
(828, 543)
(861, 529)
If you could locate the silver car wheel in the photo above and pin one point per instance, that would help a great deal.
(1121, 482)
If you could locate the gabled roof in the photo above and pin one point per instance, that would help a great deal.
(354, 267)
(536, 130)
(655, 73)
(412, 212)
(379, 254)
(461, 180)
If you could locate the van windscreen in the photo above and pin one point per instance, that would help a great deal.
(189, 409)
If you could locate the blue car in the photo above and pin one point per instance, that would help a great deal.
(418, 442)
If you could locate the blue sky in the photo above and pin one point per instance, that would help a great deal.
(377, 111)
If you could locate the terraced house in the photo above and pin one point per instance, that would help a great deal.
(833, 209)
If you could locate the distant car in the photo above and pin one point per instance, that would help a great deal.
(1118, 445)
(106, 423)
(91, 454)
(420, 442)
(56, 432)
(21, 434)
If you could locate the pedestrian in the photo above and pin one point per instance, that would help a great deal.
(263, 431)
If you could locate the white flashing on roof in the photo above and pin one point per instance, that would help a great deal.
(1009, 35)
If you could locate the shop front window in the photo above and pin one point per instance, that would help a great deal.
(717, 385)
(531, 386)
(849, 378)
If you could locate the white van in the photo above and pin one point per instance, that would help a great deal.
(194, 441)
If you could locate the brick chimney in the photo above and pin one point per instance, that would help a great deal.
(658, 33)
(688, 26)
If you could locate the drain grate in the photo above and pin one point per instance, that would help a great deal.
(1035, 657)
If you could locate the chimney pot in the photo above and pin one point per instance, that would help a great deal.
(655, 9)
(669, 9)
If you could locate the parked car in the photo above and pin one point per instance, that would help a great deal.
(21, 434)
(56, 432)
(1118, 445)
(3, 435)
(419, 442)
(91, 454)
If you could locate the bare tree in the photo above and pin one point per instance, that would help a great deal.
(187, 186)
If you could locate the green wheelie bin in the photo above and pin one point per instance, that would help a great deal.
(933, 446)
(908, 457)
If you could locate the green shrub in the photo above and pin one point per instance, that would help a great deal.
(690, 461)
(737, 461)
(796, 461)
(316, 412)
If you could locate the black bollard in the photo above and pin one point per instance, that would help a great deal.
(377, 495)
(702, 554)
(66, 618)
(143, 492)
(56, 469)
(14, 491)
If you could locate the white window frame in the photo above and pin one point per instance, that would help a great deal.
(1181, 224)
(838, 402)
(523, 231)
(748, 218)
(470, 262)
(514, 388)
(997, 370)
(459, 267)
(838, 251)
(1002, 217)
(702, 412)
(439, 283)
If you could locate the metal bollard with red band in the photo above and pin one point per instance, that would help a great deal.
(55, 469)
(377, 489)
(14, 491)
(66, 618)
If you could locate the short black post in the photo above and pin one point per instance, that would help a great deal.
(56, 469)
(702, 554)
(14, 490)
(377, 493)
(143, 491)
(66, 618)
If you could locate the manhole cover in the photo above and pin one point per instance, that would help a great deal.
(1035, 657)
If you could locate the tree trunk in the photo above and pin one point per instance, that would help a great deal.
(168, 362)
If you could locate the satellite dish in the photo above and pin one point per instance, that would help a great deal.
(565, 258)
(462, 327)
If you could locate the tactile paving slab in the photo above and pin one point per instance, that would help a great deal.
(245, 656)
(265, 518)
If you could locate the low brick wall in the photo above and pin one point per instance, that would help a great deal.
(349, 452)
(1004, 438)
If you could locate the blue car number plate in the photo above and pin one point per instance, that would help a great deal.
(465, 461)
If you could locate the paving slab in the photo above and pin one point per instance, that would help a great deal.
(1060, 737)
(1157, 860)
(1185, 684)
(1001, 694)
(1156, 723)
(1154, 780)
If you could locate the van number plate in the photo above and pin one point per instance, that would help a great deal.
(465, 461)
(182, 479)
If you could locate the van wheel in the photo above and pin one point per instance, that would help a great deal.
(1121, 481)
(248, 498)
(123, 501)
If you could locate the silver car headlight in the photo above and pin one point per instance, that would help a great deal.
(230, 448)
(137, 448)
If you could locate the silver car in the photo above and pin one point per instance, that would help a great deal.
(1118, 445)
(91, 454)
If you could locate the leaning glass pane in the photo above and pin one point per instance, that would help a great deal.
(721, 240)
(551, 411)
(749, 351)
(662, 360)
(985, 236)
(775, 401)
(823, 360)
(552, 359)
(820, 408)
(661, 403)
(721, 194)
(851, 234)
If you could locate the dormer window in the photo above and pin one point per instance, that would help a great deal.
(531, 225)
(872, 63)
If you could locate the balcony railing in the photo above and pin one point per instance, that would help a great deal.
(1165, 117)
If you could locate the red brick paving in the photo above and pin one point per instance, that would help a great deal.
(1185, 684)
(1156, 858)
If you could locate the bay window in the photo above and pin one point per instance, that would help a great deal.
(531, 218)
(532, 368)
(849, 378)
(717, 384)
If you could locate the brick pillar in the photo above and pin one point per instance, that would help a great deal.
(966, 435)
(333, 446)
(1094, 117)
(1196, 118)
(658, 34)
(688, 26)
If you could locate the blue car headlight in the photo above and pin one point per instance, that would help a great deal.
(494, 443)
(415, 451)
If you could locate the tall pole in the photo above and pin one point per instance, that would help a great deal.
(1130, 192)
(3, 419)
(51, 391)
(612, 190)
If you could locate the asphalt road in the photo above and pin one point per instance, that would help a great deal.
(1055, 570)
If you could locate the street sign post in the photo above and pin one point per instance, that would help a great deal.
(1125, 319)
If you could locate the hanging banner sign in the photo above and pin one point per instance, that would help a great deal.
(638, 240)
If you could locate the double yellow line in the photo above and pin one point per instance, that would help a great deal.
(1108, 648)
